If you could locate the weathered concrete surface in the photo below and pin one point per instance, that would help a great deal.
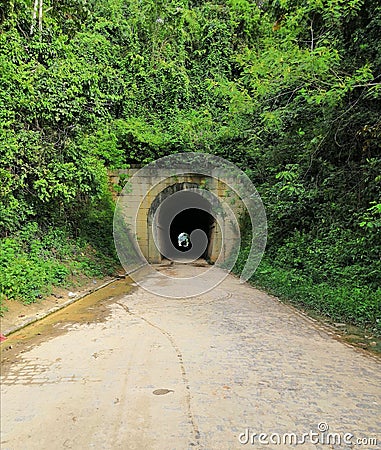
(231, 359)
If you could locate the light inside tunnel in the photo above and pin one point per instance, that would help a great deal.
(183, 239)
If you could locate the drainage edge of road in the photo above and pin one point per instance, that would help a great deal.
(40, 316)
(54, 309)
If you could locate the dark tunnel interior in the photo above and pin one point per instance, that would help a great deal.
(187, 221)
(183, 211)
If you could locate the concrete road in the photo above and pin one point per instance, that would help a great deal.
(230, 369)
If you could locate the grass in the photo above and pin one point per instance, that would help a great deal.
(338, 298)
(355, 305)
(33, 261)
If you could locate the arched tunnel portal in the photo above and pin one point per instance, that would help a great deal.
(154, 210)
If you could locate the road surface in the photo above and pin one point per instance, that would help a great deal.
(231, 369)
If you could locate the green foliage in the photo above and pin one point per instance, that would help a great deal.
(372, 216)
(288, 90)
(33, 261)
(343, 302)
(340, 297)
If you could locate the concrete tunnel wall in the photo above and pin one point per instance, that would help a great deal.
(148, 196)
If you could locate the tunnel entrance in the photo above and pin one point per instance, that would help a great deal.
(169, 219)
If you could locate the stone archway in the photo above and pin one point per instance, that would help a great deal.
(142, 202)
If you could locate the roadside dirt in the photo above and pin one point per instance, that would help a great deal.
(19, 314)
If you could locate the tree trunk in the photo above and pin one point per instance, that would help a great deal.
(34, 15)
(40, 16)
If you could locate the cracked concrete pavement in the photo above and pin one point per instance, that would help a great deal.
(208, 372)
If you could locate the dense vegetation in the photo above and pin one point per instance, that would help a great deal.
(289, 90)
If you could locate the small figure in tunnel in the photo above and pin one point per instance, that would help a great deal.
(183, 240)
